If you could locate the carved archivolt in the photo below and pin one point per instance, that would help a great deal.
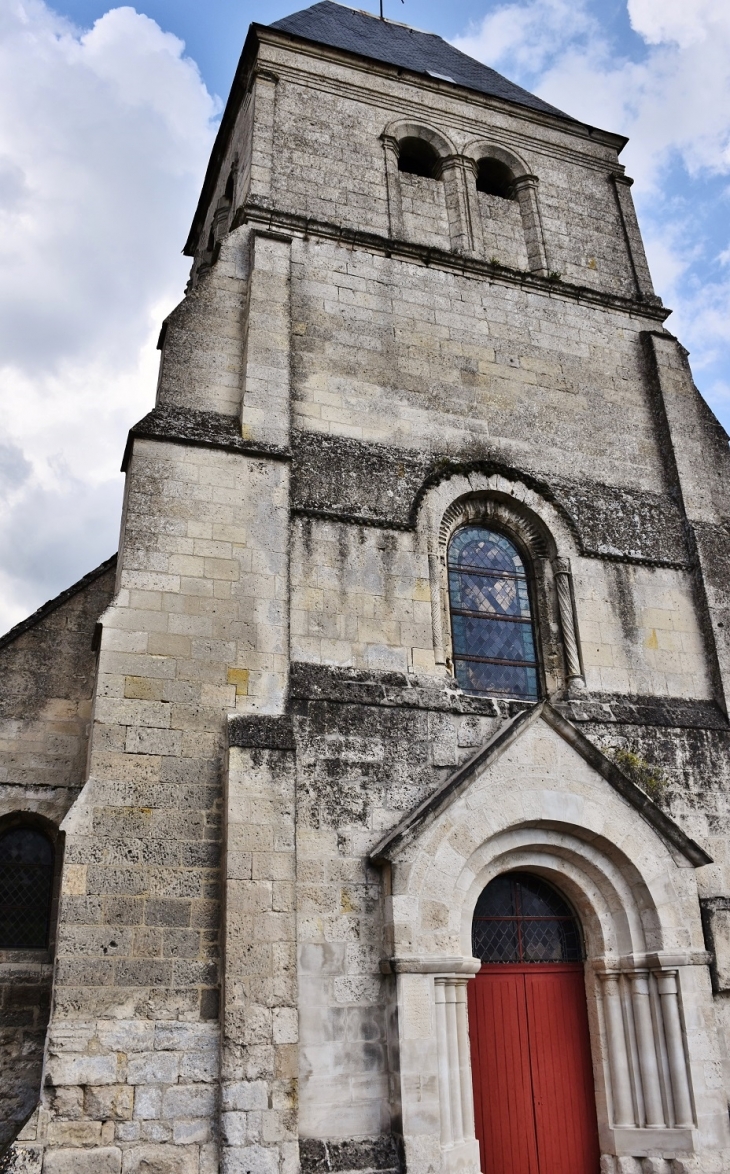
(503, 513)
(484, 149)
(407, 129)
(554, 600)
(645, 962)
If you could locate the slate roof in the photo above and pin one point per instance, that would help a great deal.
(359, 32)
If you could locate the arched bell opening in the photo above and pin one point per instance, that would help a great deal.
(532, 1069)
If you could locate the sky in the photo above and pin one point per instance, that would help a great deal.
(107, 117)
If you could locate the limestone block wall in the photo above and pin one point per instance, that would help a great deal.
(640, 630)
(397, 353)
(47, 669)
(198, 627)
(202, 340)
(361, 598)
(503, 233)
(423, 203)
(359, 768)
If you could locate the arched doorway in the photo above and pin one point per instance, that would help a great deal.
(534, 1098)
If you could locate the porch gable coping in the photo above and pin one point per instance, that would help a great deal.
(487, 754)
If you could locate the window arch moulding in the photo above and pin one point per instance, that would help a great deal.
(525, 185)
(546, 544)
(451, 172)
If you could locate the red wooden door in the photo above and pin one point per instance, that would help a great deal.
(534, 1099)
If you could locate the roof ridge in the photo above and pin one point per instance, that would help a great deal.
(58, 601)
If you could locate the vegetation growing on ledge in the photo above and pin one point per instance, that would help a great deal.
(649, 777)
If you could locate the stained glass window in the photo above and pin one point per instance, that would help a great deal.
(26, 880)
(521, 918)
(491, 620)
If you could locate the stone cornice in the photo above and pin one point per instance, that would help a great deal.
(341, 686)
(176, 425)
(296, 225)
(424, 83)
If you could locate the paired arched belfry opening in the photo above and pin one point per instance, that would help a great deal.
(480, 201)
(534, 1098)
(495, 178)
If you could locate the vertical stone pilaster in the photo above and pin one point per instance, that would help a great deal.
(526, 189)
(436, 1092)
(259, 1080)
(262, 147)
(457, 206)
(618, 1059)
(634, 244)
(395, 207)
(698, 469)
(650, 1086)
(669, 995)
(472, 205)
(266, 390)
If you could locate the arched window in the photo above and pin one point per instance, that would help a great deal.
(26, 883)
(491, 619)
(521, 918)
(417, 157)
(495, 178)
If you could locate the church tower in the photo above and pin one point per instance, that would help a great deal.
(388, 829)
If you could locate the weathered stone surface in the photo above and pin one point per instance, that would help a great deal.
(289, 806)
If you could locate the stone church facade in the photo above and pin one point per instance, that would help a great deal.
(421, 591)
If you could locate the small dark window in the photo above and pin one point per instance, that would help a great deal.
(417, 157)
(491, 618)
(26, 882)
(228, 193)
(495, 179)
(521, 918)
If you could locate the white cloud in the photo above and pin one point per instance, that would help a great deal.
(677, 99)
(684, 21)
(104, 135)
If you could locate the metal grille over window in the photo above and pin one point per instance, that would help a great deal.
(521, 918)
(491, 620)
(26, 878)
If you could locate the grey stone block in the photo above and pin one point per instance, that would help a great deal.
(107, 1160)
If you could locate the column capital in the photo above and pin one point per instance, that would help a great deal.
(445, 968)
(525, 181)
(391, 143)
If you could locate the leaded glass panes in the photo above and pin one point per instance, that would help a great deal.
(26, 879)
(493, 636)
(521, 918)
